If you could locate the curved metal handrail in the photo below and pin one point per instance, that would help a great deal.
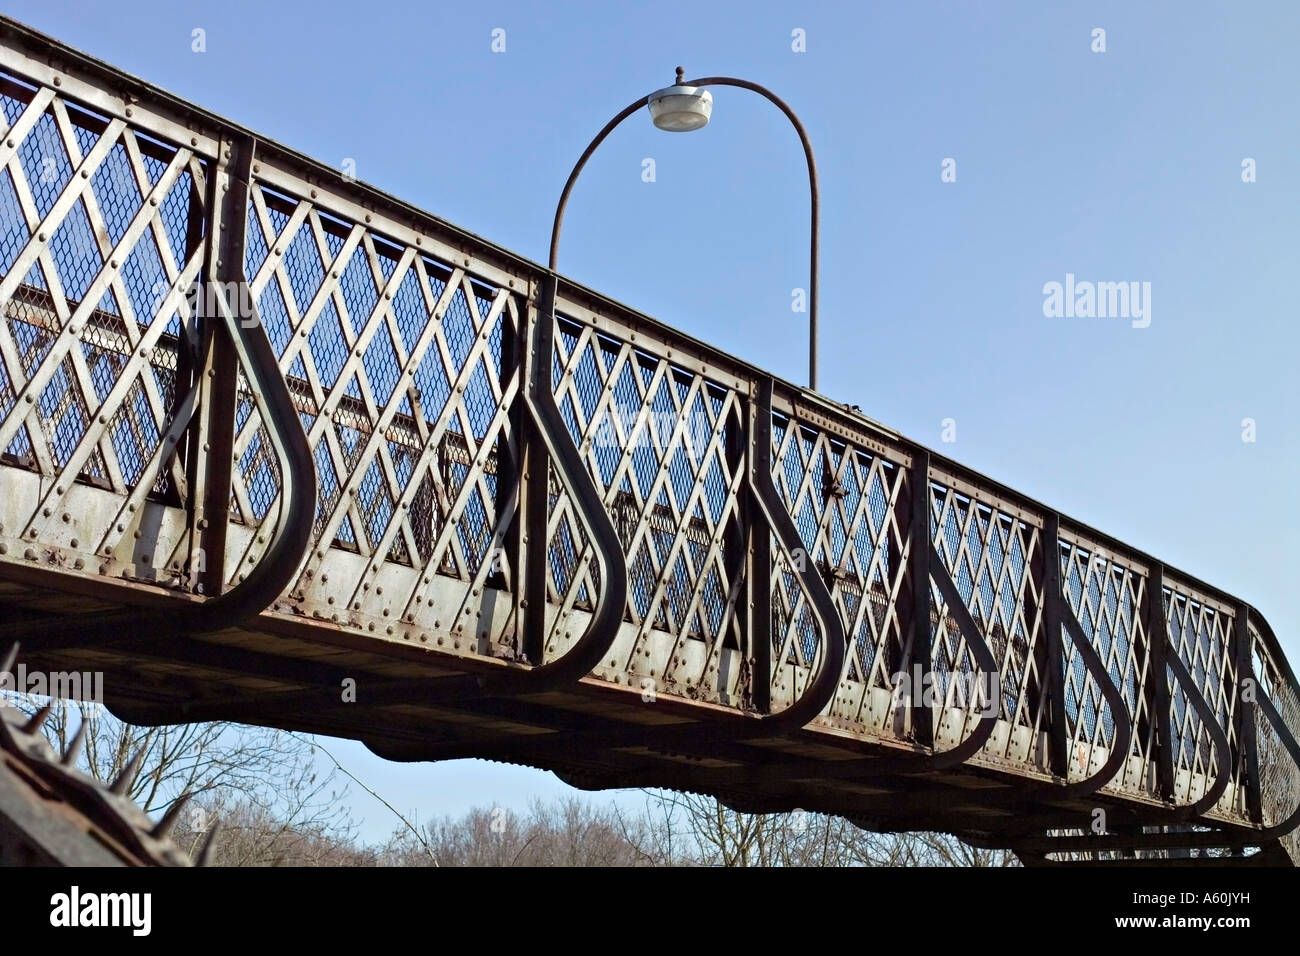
(1219, 740)
(607, 615)
(278, 567)
(821, 689)
(984, 659)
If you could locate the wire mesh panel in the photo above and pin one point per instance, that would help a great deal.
(993, 554)
(1200, 633)
(848, 504)
(663, 445)
(99, 254)
(1108, 596)
(394, 360)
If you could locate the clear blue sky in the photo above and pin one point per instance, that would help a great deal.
(1116, 166)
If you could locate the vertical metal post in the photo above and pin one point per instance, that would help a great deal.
(535, 491)
(1158, 633)
(758, 586)
(918, 570)
(511, 465)
(1058, 750)
(1246, 712)
(213, 438)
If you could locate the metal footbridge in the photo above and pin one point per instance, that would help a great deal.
(276, 447)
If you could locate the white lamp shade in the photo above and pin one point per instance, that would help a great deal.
(680, 109)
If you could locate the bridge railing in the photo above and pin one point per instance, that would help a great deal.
(973, 621)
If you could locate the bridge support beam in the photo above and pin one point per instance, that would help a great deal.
(1058, 748)
(918, 571)
(212, 435)
(1246, 709)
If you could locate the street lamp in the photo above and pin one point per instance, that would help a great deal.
(687, 106)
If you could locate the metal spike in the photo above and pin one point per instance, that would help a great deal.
(205, 855)
(127, 777)
(169, 819)
(74, 746)
(37, 720)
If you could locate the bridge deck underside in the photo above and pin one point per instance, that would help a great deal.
(594, 736)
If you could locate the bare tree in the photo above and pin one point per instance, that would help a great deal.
(260, 786)
(672, 829)
(571, 832)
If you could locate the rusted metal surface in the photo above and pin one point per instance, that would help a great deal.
(53, 815)
(514, 472)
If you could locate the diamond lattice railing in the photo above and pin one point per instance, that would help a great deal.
(661, 444)
(394, 360)
(846, 502)
(1201, 635)
(1108, 598)
(97, 255)
(993, 556)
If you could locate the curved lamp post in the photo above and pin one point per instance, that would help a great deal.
(687, 106)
